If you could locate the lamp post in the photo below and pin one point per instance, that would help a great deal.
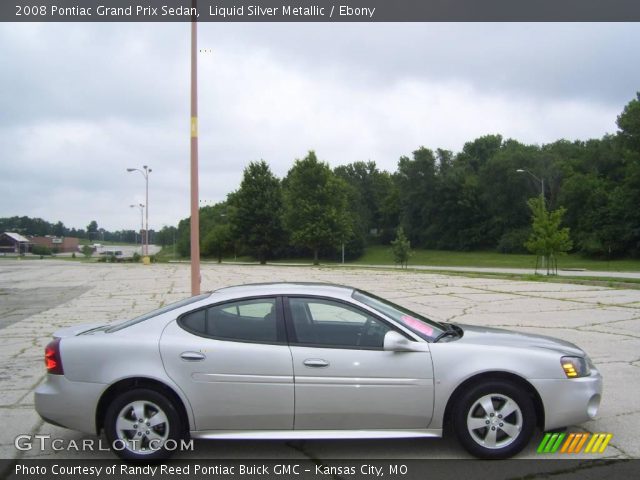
(145, 173)
(541, 180)
(141, 207)
(195, 212)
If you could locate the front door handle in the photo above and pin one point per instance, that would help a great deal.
(192, 356)
(316, 363)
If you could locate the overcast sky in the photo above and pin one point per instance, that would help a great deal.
(80, 103)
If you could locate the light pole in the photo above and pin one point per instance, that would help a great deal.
(541, 180)
(141, 207)
(195, 212)
(145, 173)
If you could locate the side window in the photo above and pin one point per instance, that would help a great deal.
(247, 321)
(196, 321)
(326, 323)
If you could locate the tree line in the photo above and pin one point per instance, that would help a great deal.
(38, 227)
(476, 199)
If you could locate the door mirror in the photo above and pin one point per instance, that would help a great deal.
(394, 342)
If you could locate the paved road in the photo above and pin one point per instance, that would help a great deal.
(41, 297)
(514, 271)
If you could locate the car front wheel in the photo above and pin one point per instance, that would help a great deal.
(139, 423)
(494, 419)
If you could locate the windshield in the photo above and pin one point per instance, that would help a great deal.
(160, 311)
(421, 326)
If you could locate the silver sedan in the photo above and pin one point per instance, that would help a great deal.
(310, 361)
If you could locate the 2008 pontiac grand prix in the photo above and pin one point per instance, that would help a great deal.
(310, 361)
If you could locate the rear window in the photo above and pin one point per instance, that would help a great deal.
(252, 320)
(160, 311)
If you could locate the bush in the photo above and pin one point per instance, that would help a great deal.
(73, 255)
(136, 257)
(40, 250)
(514, 240)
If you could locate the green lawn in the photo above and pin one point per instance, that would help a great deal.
(84, 241)
(381, 255)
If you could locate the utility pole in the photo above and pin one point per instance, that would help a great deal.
(195, 213)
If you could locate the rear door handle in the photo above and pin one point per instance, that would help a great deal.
(316, 363)
(192, 356)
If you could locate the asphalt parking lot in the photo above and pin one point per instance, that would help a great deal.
(38, 297)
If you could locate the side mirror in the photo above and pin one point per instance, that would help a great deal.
(395, 342)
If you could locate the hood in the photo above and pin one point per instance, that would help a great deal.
(507, 338)
(76, 330)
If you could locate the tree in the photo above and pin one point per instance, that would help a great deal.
(166, 235)
(257, 217)
(59, 229)
(417, 186)
(547, 239)
(315, 204)
(218, 241)
(87, 251)
(92, 230)
(210, 217)
(401, 248)
(629, 124)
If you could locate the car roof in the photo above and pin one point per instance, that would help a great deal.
(287, 288)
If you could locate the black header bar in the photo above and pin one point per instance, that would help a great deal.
(320, 10)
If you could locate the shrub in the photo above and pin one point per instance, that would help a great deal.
(40, 250)
(514, 240)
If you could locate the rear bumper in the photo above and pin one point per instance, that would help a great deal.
(68, 404)
(570, 401)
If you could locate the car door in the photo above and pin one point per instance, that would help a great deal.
(343, 377)
(234, 365)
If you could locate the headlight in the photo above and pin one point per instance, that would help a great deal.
(575, 367)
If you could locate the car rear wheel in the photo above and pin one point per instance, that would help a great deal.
(494, 420)
(139, 423)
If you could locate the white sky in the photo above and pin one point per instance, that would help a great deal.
(80, 103)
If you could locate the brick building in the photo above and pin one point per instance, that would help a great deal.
(57, 244)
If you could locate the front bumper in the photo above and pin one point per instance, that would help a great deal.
(569, 401)
(68, 404)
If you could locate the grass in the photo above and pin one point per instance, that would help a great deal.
(84, 241)
(166, 254)
(381, 255)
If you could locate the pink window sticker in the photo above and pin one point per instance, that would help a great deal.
(417, 325)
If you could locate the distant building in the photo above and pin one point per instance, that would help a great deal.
(11, 242)
(57, 244)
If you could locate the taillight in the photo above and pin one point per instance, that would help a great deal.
(52, 359)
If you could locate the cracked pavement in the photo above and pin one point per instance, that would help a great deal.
(39, 297)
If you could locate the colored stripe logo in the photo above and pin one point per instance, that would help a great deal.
(574, 442)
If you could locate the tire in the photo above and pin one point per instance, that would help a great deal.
(131, 439)
(494, 420)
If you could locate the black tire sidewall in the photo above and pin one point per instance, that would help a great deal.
(155, 397)
(468, 398)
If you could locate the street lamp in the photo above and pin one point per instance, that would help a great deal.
(541, 180)
(145, 173)
(193, 147)
(141, 207)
